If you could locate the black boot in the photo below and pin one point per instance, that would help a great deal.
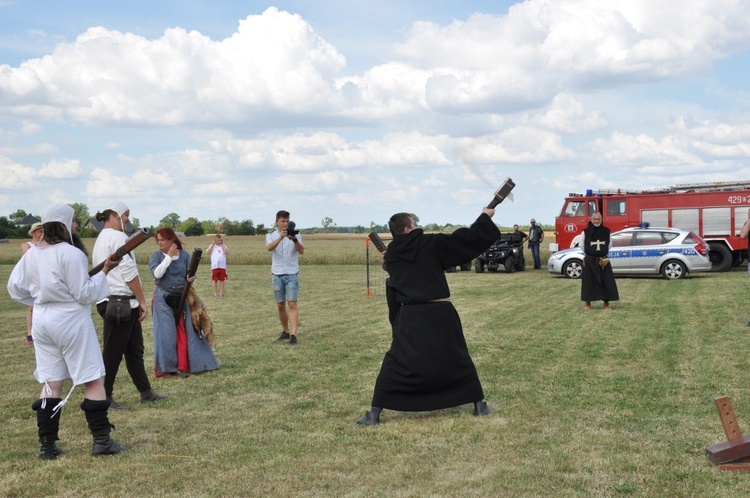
(96, 416)
(481, 408)
(48, 425)
(369, 418)
(150, 396)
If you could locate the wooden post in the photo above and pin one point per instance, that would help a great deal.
(734, 453)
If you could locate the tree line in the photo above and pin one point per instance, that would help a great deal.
(192, 226)
(9, 228)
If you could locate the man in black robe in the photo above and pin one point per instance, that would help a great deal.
(598, 280)
(428, 366)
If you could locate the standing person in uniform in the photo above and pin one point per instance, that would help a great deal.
(36, 232)
(53, 277)
(535, 238)
(218, 252)
(428, 366)
(122, 338)
(285, 250)
(177, 350)
(598, 279)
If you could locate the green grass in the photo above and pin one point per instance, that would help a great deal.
(586, 403)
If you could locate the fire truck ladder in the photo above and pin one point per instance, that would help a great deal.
(681, 187)
(742, 185)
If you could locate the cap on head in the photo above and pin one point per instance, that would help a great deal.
(61, 213)
(118, 207)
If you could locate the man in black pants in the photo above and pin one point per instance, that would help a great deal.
(123, 337)
(428, 366)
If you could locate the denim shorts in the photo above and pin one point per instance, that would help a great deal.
(285, 288)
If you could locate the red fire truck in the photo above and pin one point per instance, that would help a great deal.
(715, 211)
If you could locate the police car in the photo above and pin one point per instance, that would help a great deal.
(671, 252)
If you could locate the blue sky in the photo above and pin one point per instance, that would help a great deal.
(357, 110)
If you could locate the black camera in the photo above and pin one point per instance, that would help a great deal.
(290, 229)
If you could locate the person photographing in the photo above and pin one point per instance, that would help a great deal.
(285, 245)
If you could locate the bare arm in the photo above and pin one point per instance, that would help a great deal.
(137, 288)
(298, 245)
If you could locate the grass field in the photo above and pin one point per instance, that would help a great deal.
(586, 403)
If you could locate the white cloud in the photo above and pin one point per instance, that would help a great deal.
(16, 176)
(273, 61)
(105, 185)
(59, 169)
(275, 68)
(516, 145)
(567, 115)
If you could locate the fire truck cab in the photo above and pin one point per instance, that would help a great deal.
(714, 211)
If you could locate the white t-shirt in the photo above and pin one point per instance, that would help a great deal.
(218, 257)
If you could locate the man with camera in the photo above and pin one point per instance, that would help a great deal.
(285, 245)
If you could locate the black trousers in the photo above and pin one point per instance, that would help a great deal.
(125, 339)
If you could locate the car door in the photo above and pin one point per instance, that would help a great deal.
(619, 252)
(648, 250)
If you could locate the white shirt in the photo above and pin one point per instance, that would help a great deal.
(56, 274)
(284, 257)
(218, 256)
(107, 243)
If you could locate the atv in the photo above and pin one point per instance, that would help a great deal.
(462, 267)
(506, 252)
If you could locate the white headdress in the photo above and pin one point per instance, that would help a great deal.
(62, 213)
(118, 207)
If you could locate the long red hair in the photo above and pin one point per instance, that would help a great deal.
(168, 233)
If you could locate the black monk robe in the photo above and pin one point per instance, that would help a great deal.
(597, 283)
(428, 366)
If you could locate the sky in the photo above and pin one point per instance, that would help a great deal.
(354, 110)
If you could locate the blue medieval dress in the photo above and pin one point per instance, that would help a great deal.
(197, 356)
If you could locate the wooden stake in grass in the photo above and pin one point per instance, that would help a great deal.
(734, 452)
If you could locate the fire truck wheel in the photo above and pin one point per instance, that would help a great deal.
(673, 269)
(720, 256)
(573, 269)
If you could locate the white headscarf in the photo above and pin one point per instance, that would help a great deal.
(62, 213)
(118, 207)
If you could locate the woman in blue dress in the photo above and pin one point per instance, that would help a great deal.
(178, 350)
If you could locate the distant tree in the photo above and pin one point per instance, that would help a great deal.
(17, 216)
(246, 227)
(81, 212)
(191, 227)
(170, 220)
(7, 228)
(208, 226)
(261, 229)
(136, 223)
(326, 224)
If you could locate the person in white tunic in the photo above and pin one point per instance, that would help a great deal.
(122, 338)
(54, 279)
